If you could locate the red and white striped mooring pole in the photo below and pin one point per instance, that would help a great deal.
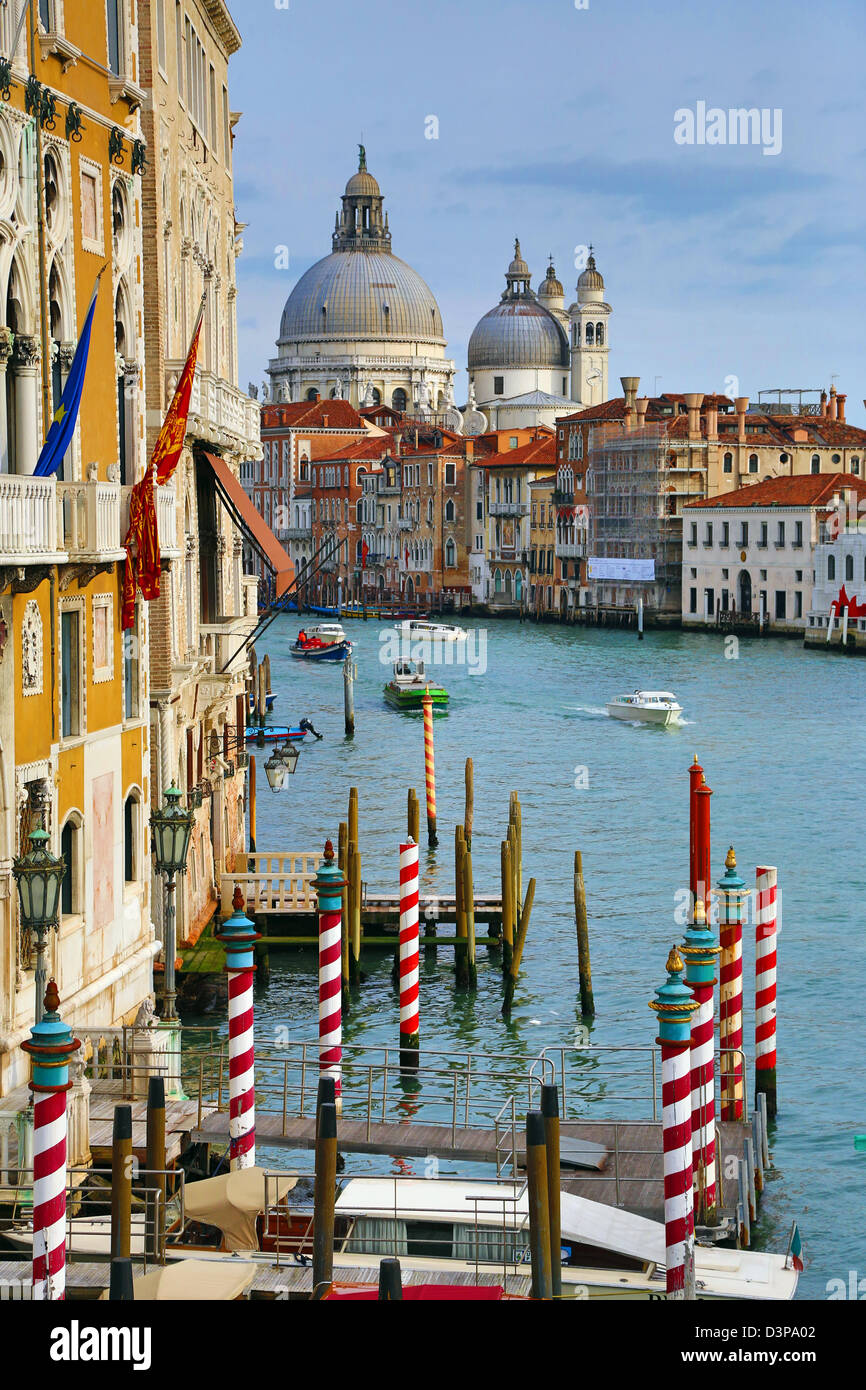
(429, 768)
(409, 953)
(674, 1005)
(329, 883)
(731, 898)
(765, 986)
(239, 936)
(50, 1047)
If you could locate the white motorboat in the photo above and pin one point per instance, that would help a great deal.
(326, 632)
(646, 707)
(419, 629)
(454, 1226)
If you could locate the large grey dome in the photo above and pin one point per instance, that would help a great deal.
(360, 293)
(518, 332)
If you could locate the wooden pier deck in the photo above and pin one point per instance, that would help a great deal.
(632, 1177)
(181, 1116)
(87, 1280)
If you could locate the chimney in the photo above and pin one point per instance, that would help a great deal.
(693, 401)
(824, 403)
(324, 422)
(711, 412)
(641, 403)
(630, 386)
(840, 406)
(741, 405)
(831, 409)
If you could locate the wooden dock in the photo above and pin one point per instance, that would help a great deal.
(87, 1280)
(181, 1116)
(631, 1178)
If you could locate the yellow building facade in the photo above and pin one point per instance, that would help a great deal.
(74, 732)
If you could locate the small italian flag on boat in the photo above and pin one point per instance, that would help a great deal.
(795, 1248)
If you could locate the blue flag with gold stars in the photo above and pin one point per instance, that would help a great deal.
(65, 416)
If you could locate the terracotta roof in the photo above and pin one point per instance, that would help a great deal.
(311, 415)
(371, 447)
(777, 429)
(803, 490)
(538, 453)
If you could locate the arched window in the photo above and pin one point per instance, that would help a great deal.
(70, 848)
(377, 396)
(599, 335)
(305, 469)
(345, 475)
(497, 581)
(399, 399)
(728, 463)
(753, 463)
(575, 334)
(589, 335)
(816, 463)
(450, 554)
(449, 510)
(312, 394)
(855, 465)
(831, 566)
(132, 838)
(849, 566)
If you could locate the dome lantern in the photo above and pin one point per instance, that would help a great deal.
(590, 282)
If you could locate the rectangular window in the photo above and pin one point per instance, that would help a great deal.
(103, 647)
(693, 600)
(160, 32)
(708, 537)
(726, 533)
(780, 534)
(45, 15)
(213, 111)
(70, 673)
(178, 37)
(114, 19)
(130, 672)
(498, 385)
(450, 474)
(725, 600)
(780, 604)
(710, 602)
(798, 534)
(227, 136)
(693, 534)
(762, 539)
(744, 533)
(430, 474)
(798, 604)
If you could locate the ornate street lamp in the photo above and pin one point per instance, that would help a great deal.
(39, 875)
(289, 754)
(171, 830)
(275, 771)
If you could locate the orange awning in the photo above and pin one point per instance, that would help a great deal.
(253, 524)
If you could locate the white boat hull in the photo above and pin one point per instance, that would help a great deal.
(641, 714)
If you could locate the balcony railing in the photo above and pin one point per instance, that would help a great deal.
(509, 508)
(28, 520)
(166, 519)
(405, 523)
(88, 516)
(217, 405)
(571, 550)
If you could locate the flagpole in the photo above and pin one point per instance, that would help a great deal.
(47, 412)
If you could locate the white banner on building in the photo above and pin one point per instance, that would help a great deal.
(621, 569)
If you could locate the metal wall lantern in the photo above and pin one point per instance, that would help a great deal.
(289, 754)
(39, 875)
(171, 828)
(275, 771)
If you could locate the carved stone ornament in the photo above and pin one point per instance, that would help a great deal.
(26, 351)
(31, 650)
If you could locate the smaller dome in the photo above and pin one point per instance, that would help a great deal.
(591, 278)
(362, 185)
(550, 287)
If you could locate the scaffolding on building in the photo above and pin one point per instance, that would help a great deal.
(634, 490)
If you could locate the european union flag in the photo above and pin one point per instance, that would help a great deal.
(66, 414)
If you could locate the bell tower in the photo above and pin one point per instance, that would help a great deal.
(589, 337)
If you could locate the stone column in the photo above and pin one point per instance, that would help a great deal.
(25, 363)
(5, 354)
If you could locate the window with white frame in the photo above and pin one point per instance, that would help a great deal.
(159, 6)
(103, 639)
(72, 668)
(90, 185)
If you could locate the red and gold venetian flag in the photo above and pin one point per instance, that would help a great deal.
(166, 451)
(141, 570)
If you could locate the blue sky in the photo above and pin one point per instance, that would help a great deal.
(557, 125)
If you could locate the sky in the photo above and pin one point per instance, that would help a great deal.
(557, 124)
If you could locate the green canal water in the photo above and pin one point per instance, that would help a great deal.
(778, 732)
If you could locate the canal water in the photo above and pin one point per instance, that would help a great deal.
(778, 732)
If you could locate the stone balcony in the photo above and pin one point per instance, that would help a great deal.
(89, 521)
(219, 413)
(405, 523)
(46, 521)
(571, 550)
(29, 530)
(508, 508)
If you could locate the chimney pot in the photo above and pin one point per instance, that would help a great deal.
(831, 408)
(840, 406)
